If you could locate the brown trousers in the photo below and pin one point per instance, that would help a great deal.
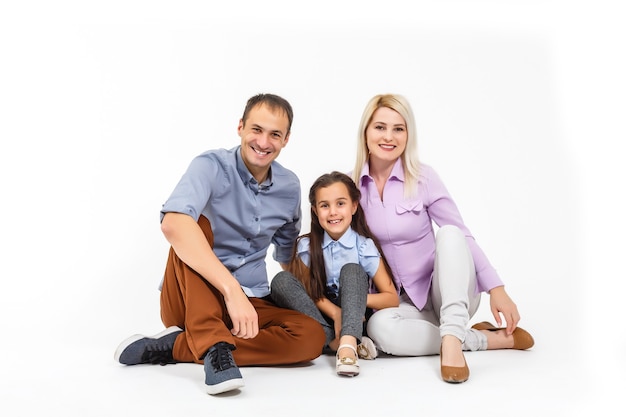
(191, 303)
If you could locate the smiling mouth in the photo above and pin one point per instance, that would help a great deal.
(388, 147)
(258, 152)
(336, 221)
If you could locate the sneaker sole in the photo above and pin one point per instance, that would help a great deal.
(122, 347)
(225, 386)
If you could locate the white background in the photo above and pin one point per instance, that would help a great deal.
(519, 106)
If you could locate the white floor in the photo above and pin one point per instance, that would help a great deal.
(519, 104)
(80, 378)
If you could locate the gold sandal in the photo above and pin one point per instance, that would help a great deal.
(367, 349)
(347, 366)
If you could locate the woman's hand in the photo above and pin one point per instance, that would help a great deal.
(501, 304)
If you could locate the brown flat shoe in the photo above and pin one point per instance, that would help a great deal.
(454, 374)
(522, 340)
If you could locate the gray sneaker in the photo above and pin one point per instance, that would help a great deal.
(155, 349)
(221, 372)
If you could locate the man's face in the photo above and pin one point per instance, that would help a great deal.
(262, 138)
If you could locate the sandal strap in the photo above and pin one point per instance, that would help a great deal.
(347, 346)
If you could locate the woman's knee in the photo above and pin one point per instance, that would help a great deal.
(449, 231)
(450, 237)
(381, 320)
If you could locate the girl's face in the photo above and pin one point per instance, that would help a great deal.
(386, 135)
(334, 209)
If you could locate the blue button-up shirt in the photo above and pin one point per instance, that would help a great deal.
(246, 217)
(350, 248)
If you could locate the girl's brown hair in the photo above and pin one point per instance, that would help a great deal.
(314, 277)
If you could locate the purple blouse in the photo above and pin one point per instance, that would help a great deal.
(404, 228)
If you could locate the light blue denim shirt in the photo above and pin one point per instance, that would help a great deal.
(350, 248)
(246, 217)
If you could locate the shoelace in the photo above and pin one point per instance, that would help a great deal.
(157, 354)
(221, 358)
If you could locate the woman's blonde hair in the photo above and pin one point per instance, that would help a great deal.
(410, 159)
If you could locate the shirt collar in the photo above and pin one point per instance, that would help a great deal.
(347, 240)
(397, 172)
(247, 178)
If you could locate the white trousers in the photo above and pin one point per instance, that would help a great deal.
(407, 331)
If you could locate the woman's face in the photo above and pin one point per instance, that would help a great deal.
(386, 135)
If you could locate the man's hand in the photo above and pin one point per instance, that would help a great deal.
(243, 315)
(192, 247)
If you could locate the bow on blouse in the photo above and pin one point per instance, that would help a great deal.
(406, 206)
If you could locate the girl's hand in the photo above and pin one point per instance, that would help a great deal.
(332, 311)
(337, 323)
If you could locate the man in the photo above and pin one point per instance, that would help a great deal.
(226, 210)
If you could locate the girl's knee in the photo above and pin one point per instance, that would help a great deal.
(353, 270)
(282, 280)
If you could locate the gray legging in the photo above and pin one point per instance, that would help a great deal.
(288, 292)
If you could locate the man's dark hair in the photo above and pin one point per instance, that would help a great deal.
(272, 101)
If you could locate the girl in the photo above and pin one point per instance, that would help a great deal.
(337, 271)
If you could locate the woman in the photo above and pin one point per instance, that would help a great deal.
(440, 275)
